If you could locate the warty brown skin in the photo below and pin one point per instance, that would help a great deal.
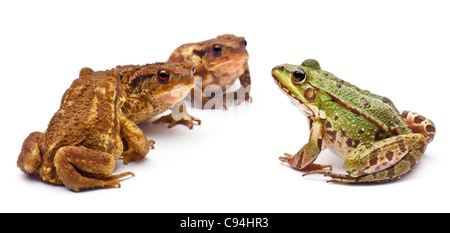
(84, 138)
(148, 95)
(219, 61)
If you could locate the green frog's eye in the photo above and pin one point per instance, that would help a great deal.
(163, 76)
(298, 76)
(217, 49)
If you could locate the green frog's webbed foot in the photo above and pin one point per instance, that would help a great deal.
(336, 177)
(180, 118)
(288, 158)
(347, 179)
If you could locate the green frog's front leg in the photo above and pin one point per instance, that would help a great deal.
(304, 158)
(380, 161)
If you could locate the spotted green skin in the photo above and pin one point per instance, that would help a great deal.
(364, 128)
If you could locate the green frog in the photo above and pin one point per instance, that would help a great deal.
(378, 142)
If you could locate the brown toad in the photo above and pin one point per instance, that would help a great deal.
(85, 136)
(219, 62)
(154, 88)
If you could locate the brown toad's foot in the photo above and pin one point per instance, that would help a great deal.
(178, 118)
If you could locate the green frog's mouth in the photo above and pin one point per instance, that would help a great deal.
(294, 99)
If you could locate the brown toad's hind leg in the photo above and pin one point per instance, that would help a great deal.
(30, 155)
(80, 168)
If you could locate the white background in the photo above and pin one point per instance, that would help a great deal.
(399, 49)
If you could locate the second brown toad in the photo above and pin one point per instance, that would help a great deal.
(219, 62)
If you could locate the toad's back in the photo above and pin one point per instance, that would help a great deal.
(89, 115)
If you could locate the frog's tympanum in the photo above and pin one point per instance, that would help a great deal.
(378, 142)
(219, 62)
(86, 136)
(154, 88)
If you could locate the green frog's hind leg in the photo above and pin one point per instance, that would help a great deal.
(380, 161)
(420, 124)
(79, 168)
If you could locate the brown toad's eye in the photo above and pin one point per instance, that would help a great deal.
(244, 43)
(298, 76)
(217, 49)
(193, 70)
(163, 76)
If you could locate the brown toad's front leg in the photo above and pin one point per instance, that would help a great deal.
(79, 168)
(238, 96)
(243, 94)
(207, 93)
(199, 95)
(179, 116)
(138, 145)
